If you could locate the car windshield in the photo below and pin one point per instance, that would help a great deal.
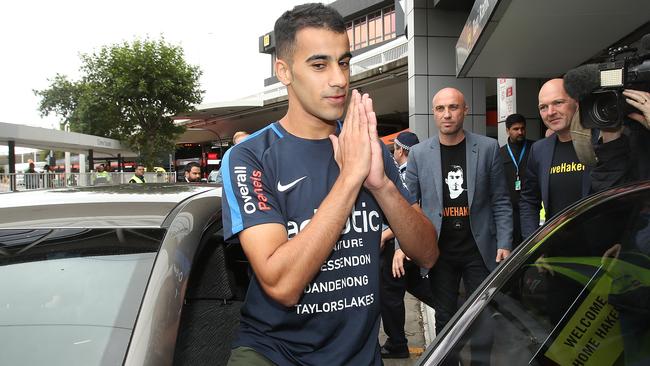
(71, 296)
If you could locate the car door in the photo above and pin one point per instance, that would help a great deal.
(576, 293)
(215, 293)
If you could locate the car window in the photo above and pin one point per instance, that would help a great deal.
(71, 296)
(582, 297)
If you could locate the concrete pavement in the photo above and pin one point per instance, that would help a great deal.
(416, 323)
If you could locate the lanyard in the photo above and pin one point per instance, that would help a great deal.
(521, 155)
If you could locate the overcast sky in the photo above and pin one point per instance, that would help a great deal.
(40, 38)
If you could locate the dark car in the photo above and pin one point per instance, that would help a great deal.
(111, 275)
(577, 292)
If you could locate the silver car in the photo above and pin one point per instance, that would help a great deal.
(111, 275)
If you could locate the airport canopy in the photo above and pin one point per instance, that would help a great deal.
(219, 109)
(230, 111)
(49, 139)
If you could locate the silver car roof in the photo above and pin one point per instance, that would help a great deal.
(133, 205)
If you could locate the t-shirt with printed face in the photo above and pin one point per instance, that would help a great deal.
(456, 240)
(275, 177)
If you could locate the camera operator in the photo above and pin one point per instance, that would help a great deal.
(613, 133)
(623, 154)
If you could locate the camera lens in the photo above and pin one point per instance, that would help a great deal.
(605, 109)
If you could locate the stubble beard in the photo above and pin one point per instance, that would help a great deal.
(452, 131)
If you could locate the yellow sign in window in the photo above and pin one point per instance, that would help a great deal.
(593, 334)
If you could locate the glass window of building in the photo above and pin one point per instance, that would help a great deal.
(389, 23)
(371, 29)
(374, 28)
(360, 33)
(348, 27)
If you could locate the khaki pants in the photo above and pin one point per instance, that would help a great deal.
(246, 356)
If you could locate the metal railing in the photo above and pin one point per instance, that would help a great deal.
(31, 181)
(368, 60)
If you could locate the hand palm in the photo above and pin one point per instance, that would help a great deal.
(376, 177)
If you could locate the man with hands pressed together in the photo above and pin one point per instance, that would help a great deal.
(306, 197)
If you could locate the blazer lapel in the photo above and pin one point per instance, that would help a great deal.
(545, 163)
(471, 157)
(436, 167)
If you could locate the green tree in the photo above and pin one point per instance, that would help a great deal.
(129, 92)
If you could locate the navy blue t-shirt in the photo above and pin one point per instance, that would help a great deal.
(275, 177)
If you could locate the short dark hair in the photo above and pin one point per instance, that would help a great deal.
(515, 118)
(311, 15)
(137, 165)
(455, 168)
(190, 165)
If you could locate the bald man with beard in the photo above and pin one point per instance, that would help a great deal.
(458, 177)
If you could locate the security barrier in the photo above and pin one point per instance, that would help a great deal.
(31, 181)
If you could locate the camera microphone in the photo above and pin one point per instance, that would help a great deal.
(582, 80)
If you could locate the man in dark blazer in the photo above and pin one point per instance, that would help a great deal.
(458, 178)
(515, 155)
(553, 174)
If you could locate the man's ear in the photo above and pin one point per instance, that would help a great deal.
(283, 72)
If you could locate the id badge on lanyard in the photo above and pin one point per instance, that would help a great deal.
(517, 184)
(517, 163)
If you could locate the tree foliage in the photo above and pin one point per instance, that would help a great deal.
(129, 92)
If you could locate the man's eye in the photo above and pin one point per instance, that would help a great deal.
(543, 108)
(453, 107)
(344, 64)
(318, 66)
(439, 109)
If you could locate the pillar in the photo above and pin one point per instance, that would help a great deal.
(432, 37)
(91, 163)
(12, 165)
(83, 172)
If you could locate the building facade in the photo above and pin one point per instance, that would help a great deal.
(497, 52)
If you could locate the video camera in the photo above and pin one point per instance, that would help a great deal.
(598, 88)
